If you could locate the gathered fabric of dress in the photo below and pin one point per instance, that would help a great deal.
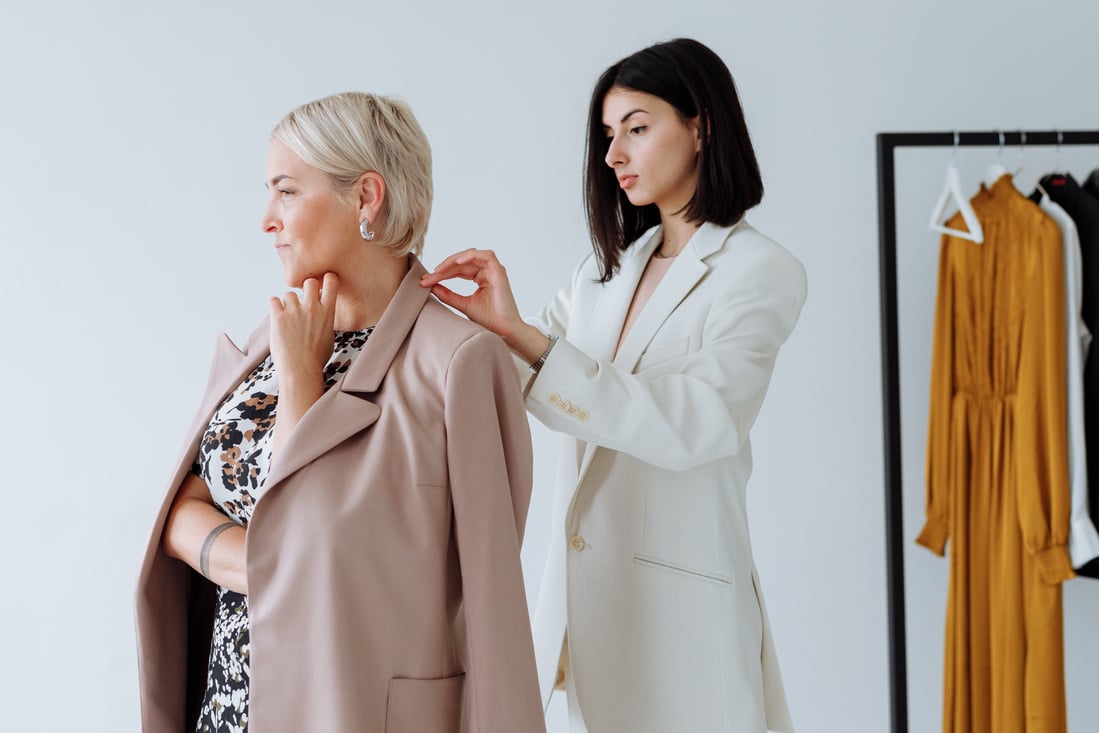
(234, 459)
(997, 475)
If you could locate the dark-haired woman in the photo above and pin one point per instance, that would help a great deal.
(653, 363)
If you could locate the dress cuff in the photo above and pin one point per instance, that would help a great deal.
(934, 535)
(1054, 564)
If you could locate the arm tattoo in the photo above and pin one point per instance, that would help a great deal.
(204, 554)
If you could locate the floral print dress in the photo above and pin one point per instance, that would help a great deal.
(234, 458)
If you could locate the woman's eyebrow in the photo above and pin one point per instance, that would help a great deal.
(278, 179)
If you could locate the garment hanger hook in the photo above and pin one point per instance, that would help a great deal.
(1022, 149)
(1000, 149)
(954, 150)
(1057, 163)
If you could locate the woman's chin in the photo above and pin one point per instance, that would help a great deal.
(296, 278)
(293, 279)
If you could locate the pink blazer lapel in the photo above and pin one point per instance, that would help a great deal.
(347, 408)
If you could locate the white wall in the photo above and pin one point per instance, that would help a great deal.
(132, 142)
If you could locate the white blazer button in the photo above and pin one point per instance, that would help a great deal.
(577, 543)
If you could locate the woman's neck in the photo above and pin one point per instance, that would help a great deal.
(677, 232)
(365, 293)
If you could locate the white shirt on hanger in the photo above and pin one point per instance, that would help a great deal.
(1083, 539)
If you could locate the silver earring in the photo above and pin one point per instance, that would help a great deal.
(364, 230)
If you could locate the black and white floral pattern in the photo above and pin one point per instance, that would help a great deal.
(234, 457)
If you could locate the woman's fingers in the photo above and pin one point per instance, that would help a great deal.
(466, 272)
(302, 327)
(299, 317)
(311, 290)
(329, 290)
(449, 261)
(469, 264)
(290, 301)
(492, 304)
(451, 298)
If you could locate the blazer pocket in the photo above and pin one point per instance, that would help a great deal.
(419, 706)
(664, 352)
(655, 563)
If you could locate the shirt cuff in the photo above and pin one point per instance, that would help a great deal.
(934, 535)
(1083, 541)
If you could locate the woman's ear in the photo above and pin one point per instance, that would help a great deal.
(701, 126)
(371, 191)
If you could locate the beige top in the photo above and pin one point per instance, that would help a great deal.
(654, 273)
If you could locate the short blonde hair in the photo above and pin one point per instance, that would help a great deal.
(348, 134)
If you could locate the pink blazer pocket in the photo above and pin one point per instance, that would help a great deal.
(424, 706)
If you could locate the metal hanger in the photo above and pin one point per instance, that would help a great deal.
(996, 171)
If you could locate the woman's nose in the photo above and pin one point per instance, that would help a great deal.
(269, 222)
(615, 155)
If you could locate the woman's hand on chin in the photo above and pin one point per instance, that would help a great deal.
(302, 339)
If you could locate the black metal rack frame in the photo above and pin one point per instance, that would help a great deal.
(891, 405)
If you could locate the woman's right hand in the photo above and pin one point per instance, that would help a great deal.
(301, 330)
(492, 305)
(301, 343)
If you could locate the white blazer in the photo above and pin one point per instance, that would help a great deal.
(650, 566)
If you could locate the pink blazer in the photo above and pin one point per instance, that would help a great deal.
(385, 588)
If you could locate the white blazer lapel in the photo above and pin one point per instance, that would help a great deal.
(607, 319)
(689, 268)
(609, 313)
(684, 274)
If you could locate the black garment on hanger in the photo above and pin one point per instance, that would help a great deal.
(1091, 185)
(1083, 208)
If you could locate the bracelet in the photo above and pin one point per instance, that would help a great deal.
(204, 554)
(537, 365)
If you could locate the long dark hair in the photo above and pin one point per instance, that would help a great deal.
(695, 81)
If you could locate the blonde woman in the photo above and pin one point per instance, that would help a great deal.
(339, 546)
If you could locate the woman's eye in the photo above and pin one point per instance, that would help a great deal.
(285, 192)
(638, 129)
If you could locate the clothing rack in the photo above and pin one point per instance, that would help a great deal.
(891, 406)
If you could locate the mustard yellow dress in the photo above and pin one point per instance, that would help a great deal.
(997, 467)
